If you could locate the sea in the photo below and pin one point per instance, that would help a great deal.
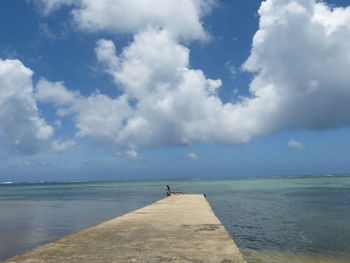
(272, 219)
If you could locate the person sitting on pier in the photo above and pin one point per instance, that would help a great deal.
(168, 191)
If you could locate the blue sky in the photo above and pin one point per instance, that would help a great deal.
(157, 90)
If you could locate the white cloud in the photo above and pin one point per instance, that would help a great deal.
(182, 17)
(162, 92)
(299, 57)
(20, 123)
(300, 54)
(191, 156)
(97, 116)
(58, 146)
(101, 117)
(174, 104)
(55, 93)
(177, 104)
(106, 55)
(332, 19)
(294, 144)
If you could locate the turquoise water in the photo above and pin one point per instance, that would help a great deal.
(298, 219)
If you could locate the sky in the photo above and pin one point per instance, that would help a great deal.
(156, 89)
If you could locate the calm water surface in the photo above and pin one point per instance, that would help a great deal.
(273, 220)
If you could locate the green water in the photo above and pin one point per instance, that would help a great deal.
(275, 220)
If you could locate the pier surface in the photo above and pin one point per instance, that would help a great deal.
(180, 228)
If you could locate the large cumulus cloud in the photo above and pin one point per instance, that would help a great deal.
(300, 58)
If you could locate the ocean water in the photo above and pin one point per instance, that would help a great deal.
(273, 220)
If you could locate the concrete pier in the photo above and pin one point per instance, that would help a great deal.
(181, 228)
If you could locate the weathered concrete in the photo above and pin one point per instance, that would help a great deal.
(180, 228)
